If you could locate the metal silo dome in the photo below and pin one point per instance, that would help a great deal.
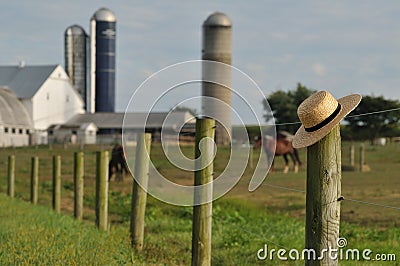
(75, 30)
(104, 14)
(218, 19)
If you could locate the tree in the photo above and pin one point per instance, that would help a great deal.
(382, 124)
(284, 107)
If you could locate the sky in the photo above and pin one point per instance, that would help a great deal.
(341, 46)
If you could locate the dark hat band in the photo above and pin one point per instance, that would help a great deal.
(325, 121)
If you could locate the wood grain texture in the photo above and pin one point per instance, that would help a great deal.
(79, 170)
(102, 190)
(202, 214)
(139, 190)
(323, 191)
(11, 176)
(34, 179)
(57, 183)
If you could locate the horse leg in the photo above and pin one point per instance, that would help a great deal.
(271, 169)
(110, 170)
(125, 168)
(295, 163)
(270, 162)
(296, 155)
(119, 172)
(286, 169)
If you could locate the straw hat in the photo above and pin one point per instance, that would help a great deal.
(319, 113)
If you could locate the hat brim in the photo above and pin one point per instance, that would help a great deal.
(303, 138)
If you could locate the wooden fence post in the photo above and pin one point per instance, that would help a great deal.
(139, 192)
(362, 157)
(78, 184)
(202, 214)
(251, 150)
(102, 190)
(11, 175)
(322, 199)
(57, 183)
(34, 179)
(351, 155)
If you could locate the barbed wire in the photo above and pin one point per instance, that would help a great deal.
(376, 112)
(350, 116)
(342, 198)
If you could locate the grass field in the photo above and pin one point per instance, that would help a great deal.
(242, 222)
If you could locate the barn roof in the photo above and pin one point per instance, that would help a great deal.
(133, 120)
(25, 81)
(12, 111)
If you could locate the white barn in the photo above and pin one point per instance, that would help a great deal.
(15, 121)
(46, 93)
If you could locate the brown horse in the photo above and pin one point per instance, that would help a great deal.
(282, 145)
(117, 163)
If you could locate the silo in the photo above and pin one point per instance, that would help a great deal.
(102, 61)
(217, 46)
(75, 54)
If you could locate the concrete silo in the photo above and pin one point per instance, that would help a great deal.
(217, 46)
(102, 61)
(75, 54)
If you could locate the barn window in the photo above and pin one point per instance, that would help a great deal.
(47, 96)
(21, 131)
(27, 132)
(13, 130)
(67, 99)
(6, 130)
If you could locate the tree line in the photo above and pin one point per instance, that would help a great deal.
(356, 126)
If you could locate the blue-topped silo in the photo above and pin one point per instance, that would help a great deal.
(102, 45)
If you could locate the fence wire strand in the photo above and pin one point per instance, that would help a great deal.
(364, 114)
(342, 199)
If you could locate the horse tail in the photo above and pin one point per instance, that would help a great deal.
(296, 155)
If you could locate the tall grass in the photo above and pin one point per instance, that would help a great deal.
(32, 235)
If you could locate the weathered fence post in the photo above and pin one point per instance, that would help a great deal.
(11, 175)
(322, 199)
(57, 183)
(78, 184)
(251, 150)
(139, 192)
(351, 156)
(34, 179)
(202, 214)
(102, 190)
(362, 157)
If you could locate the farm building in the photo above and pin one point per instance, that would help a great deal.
(84, 133)
(109, 126)
(15, 121)
(45, 92)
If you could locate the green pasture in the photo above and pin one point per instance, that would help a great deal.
(243, 222)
